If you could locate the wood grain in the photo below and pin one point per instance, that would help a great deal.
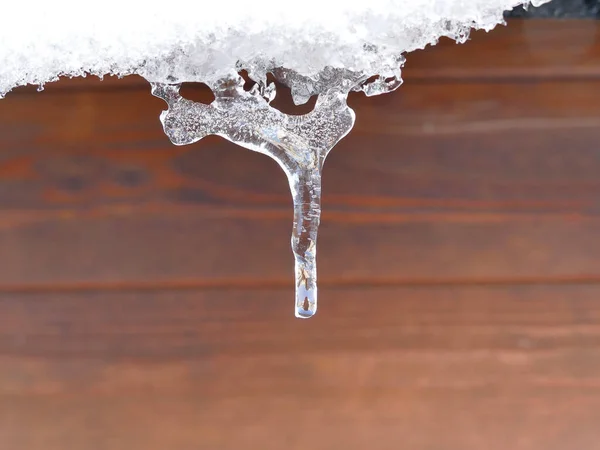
(146, 289)
(422, 368)
(469, 182)
(524, 49)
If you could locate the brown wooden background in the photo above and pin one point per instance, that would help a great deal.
(146, 290)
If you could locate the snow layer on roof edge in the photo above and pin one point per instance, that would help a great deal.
(183, 41)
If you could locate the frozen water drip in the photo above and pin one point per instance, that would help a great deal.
(299, 144)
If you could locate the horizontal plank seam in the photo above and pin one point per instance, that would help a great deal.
(500, 78)
(16, 219)
(257, 284)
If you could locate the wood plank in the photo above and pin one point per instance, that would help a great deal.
(488, 182)
(549, 49)
(164, 248)
(455, 368)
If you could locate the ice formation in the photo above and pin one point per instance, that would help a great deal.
(316, 47)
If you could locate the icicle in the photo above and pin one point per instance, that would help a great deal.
(299, 144)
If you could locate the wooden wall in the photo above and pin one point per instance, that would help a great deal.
(146, 291)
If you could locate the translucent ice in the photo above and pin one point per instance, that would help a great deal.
(298, 143)
(316, 47)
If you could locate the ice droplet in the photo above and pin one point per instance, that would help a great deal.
(299, 144)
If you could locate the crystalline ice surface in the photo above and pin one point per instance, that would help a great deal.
(201, 40)
(322, 47)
